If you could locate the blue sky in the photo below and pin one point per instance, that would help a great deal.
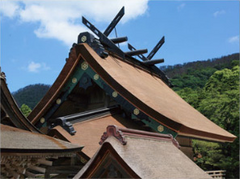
(36, 35)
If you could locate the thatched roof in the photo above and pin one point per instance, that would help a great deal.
(14, 140)
(142, 155)
(88, 132)
(140, 88)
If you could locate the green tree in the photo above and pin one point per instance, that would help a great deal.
(25, 110)
(218, 101)
(207, 154)
(191, 96)
(221, 105)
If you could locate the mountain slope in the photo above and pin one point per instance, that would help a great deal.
(195, 74)
(30, 95)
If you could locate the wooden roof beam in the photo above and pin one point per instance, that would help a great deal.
(156, 48)
(38, 169)
(153, 62)
(45, 162)
(9, 170)
(136, 52)
(119, 40)
(30, 174)
(142, 57)
(114, 22)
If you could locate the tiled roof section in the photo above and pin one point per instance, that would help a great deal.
(18, 140)
(153, 97)
(121, 133)
(10, 111)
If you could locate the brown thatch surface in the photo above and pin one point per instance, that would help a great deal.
(142, 89)
(18, 140)
(149, 157)
(153, 97)
(88, 132)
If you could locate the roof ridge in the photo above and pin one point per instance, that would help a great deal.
(122, 133)
(2, 74)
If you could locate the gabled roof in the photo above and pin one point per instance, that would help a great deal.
(138, 154)
(153, 97)
(10, 112)
(139, 88)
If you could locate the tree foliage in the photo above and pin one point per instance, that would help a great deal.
(218, 100)
(215, 63)
(25, 110)
(221, 105)
(195, 74)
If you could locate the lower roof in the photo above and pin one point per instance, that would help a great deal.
(146, 154)
(14, 140)
(88, 132)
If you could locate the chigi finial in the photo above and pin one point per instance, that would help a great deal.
(104, 46)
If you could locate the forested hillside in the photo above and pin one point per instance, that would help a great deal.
(30, 95)
(196, 74)
(212, 87)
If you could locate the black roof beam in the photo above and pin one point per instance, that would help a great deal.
(156, 48)
(130, 47)
(152, 53)
(103, 38)
(119, 40)
(136, 52)
(114, 22)
(153, 62)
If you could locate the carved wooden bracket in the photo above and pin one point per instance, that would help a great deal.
(113, 130)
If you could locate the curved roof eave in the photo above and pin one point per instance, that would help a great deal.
(149, 94)
(142, 89)
(9, 105)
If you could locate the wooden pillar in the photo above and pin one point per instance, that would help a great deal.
(186, 146)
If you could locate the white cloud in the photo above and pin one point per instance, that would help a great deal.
(218, 13)
(62, 19)
(37, 67)
(34, 67)
(9, 8)
(181, 6)
(233, 39)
